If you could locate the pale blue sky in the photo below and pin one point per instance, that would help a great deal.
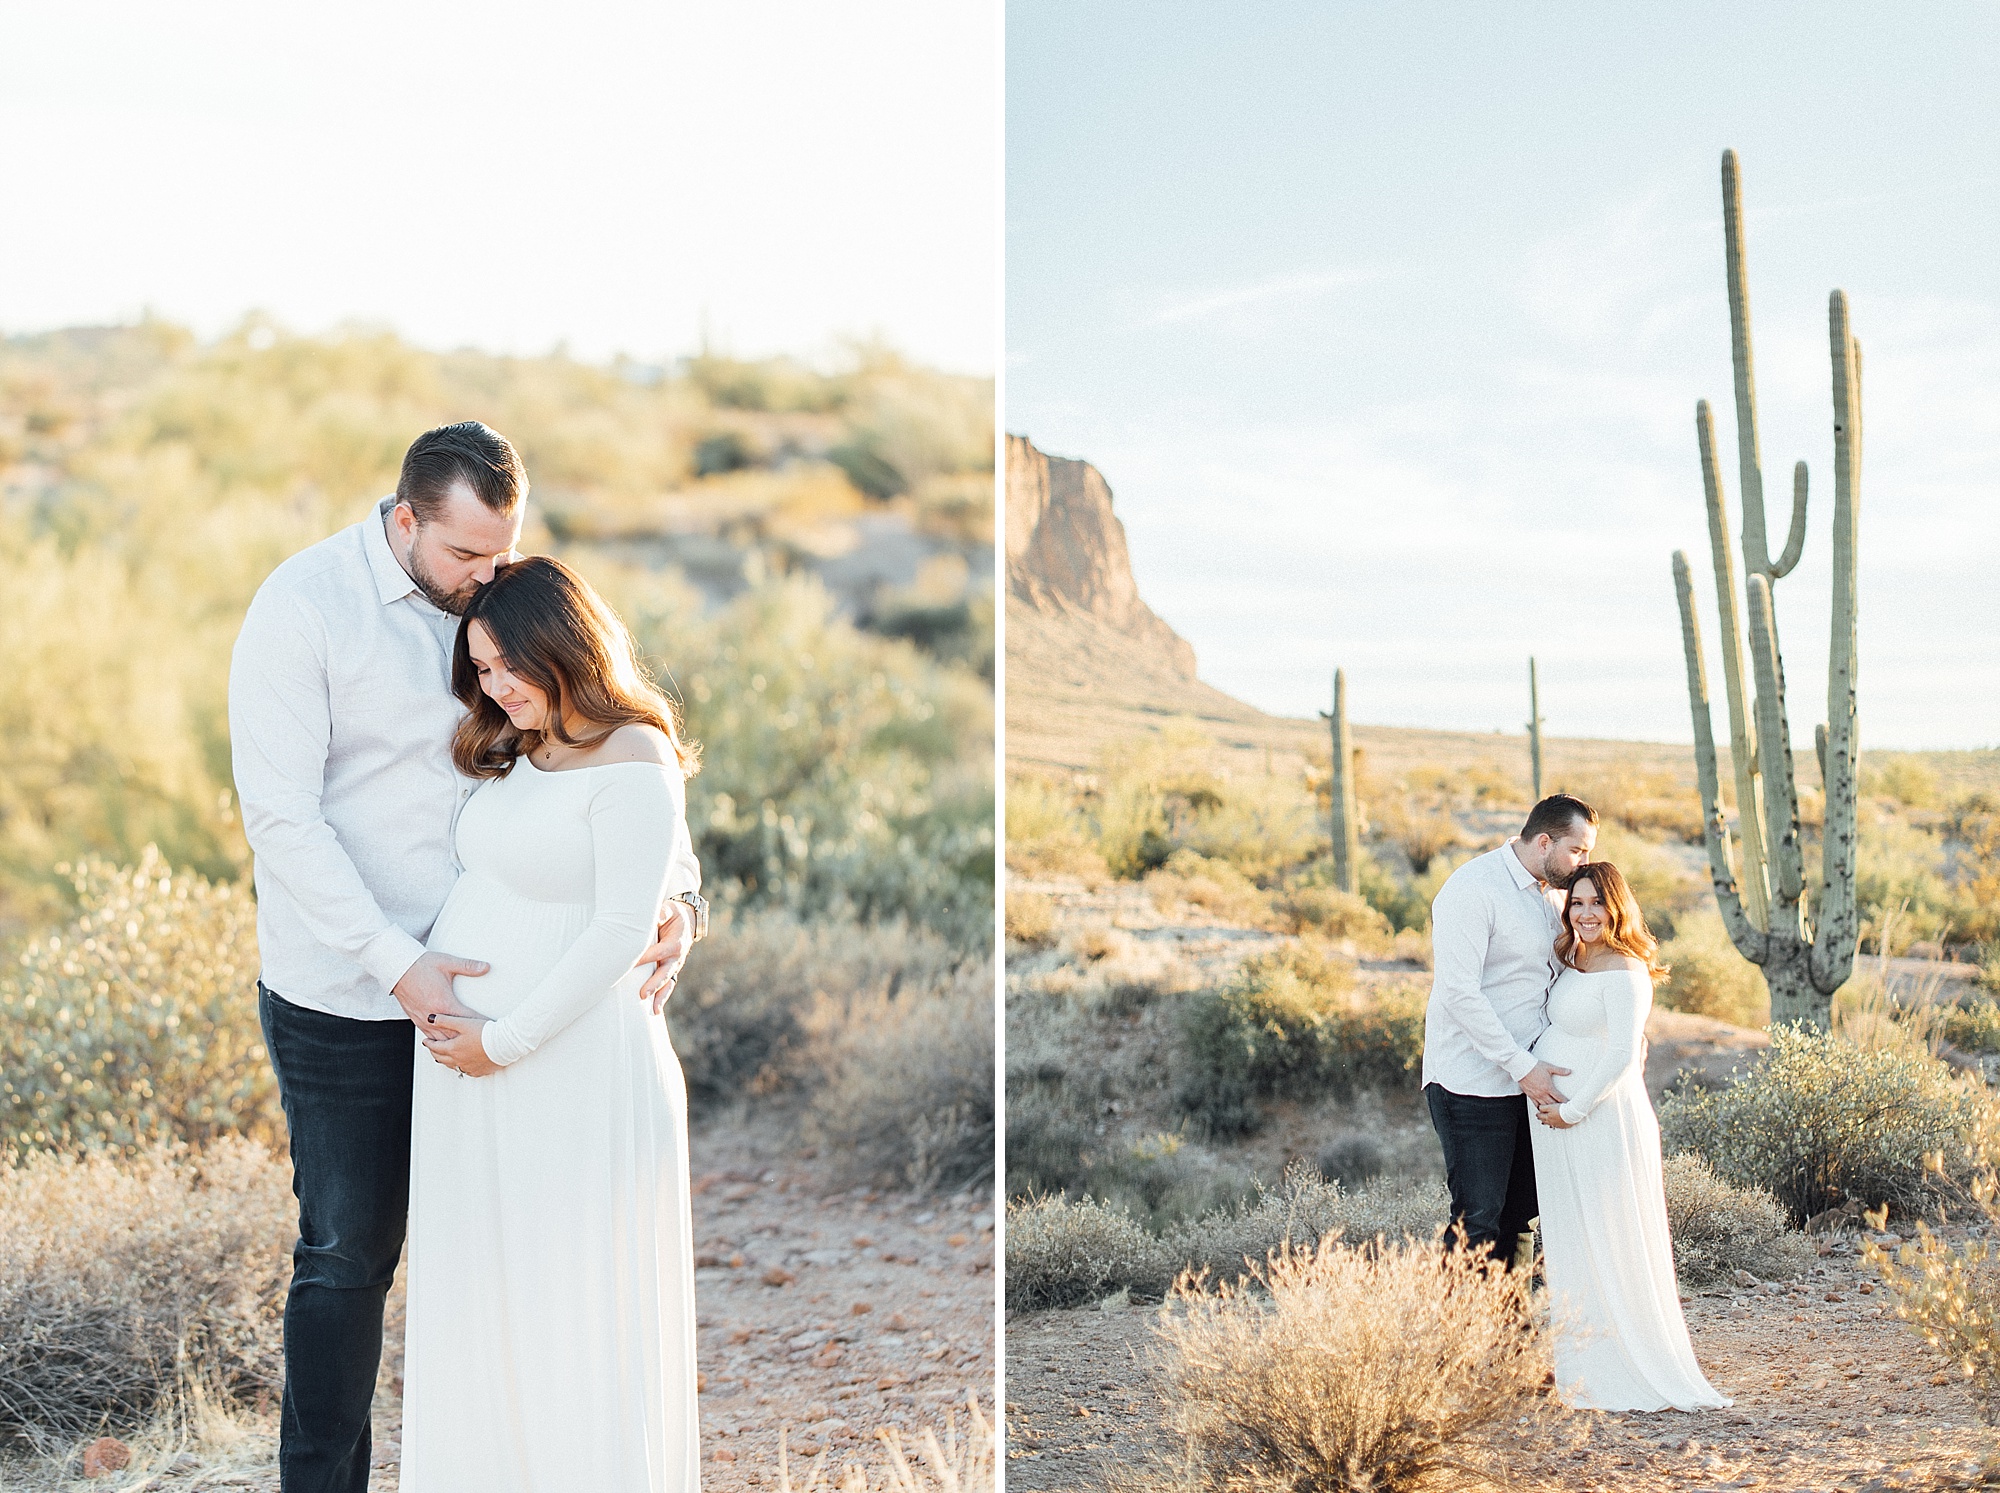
(1386, 325)
(510, 174)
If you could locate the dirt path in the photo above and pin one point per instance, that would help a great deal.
(1831, 1390)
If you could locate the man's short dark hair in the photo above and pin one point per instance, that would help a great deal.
(1556, 815)
(468, 452)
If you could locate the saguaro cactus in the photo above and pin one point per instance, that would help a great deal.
(1535, 728)
(1806, 953)
(1346, 823)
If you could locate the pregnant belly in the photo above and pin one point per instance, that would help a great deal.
(520, 938)
(1561, 1049)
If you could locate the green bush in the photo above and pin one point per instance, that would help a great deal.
(136, 1024)
(1292, 1024)
(1820, 1121)
(1707, 977)
(1972, 1025)
(1719, 1229)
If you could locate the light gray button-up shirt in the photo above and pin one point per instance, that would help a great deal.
(340, 722)
(1493, 934)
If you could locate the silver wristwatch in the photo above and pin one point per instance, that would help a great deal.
(699, 905)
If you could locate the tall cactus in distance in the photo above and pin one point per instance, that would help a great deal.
(1806, 953)
(1346, 823)
(1535, 728)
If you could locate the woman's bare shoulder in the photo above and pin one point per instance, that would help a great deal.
(636, 742)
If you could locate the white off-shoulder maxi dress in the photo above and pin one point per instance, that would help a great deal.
(1621, 1342)
(551, 1333)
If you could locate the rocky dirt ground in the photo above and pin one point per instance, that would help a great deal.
(825, 1316)
(1831, 1391)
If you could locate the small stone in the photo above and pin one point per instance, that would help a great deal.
(705, 1260)
(827, 1357)
(807, 1447)
(1940, 1379)
(735, 1262)
(890, 1381)
(700, 1382)
(862, 1308)
(778, 1275)
(957, 1241)
(1744, 1279)
(105, 1456)
(742, 1335)
(896, 1323)
(725, 1454)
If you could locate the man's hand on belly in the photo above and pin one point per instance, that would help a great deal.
(669, 951)
(1538, 1083)
(425, 989)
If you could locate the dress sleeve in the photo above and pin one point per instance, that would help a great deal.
(638, 823)
(1462, 918)
(1627, 1001)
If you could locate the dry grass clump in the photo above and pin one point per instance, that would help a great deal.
(124, 1280)
(1331, 913)
(1950, 1293)
(943, 1464)
(1708, 977)
(1719, 1228)
(1031, 919)
(1654, 804)
(906, 1096)
(1216, 887)
(1066, 1253)
(1821, 1121)
(137, 1022)
(1045, 836)
(1349, 1369)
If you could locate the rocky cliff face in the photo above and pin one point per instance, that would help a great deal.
(1066, 554)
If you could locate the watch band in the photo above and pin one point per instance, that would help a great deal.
(699, 905)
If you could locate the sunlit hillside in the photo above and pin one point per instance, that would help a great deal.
(806, 554)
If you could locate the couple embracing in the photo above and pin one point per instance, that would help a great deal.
(1534, 1070)
(475, 885)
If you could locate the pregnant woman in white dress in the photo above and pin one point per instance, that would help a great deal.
(550, 1344)
(1621, 1342)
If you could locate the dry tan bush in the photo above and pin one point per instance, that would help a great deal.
(1031, 919)
(1216, 887)
(907, 1092)
(1063, 1253)
(1708, 977)
(738, 1013)
(1369, 1370)
(1332, 913)
(124, 1279)
(1647, 803)
(137, 1022)
(1718, 1228)
(950, 1463)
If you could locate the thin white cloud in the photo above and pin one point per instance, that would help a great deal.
(1300, 287)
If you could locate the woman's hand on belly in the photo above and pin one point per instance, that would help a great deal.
(1551, 1116)
(454, 1042)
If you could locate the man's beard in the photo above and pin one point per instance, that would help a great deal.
(452, 602)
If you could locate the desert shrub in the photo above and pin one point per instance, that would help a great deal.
(1821, 1121)
(739, 1010)
(1216, 887)
(1159, 796)
(1707, 977)
(1973, 1025)
(1406, 908)
(1292, 1023)
(124, 1278)
(1950, 1293)
(1907, 780)
(1344, 1368)
(137, 1022)
(1064, 1253)
(1045, 835)
(1332, 913)
(1652, 804)
(1352, 1160)
(906, 1096)
(1425, 837)
(1031, 919)
(1718, 1228)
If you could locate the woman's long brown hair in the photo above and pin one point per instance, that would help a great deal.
(1625, 929)
(559, 635)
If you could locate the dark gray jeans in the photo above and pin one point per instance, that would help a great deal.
(345, 1087)
(1489, 1165)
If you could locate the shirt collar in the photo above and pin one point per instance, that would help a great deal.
(392, 582)
(1523, 877)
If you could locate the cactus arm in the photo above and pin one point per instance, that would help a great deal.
(1535, 728)
(1839, 919)
(1346, 843)
(1742, 729)
(1795, 539)
(1781, 800)
(1751, 942)
(1749, 459)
